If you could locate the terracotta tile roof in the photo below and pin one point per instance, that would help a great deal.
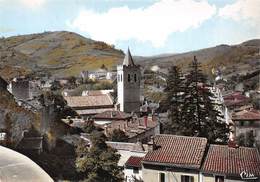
(246, 115)
(89, 101)
(134, 161)
(178, 151)
(222, 159)
(113, 115)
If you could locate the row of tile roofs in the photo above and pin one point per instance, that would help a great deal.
(188, 152)
(133, 127)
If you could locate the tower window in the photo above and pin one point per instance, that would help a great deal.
(129, 77)
(135, 78)
(121, 77)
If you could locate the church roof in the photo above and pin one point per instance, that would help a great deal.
(128, 60)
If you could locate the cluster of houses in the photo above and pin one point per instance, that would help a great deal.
(147, 155)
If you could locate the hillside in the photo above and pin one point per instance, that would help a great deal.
(64, 53)
(231, 59)
(58, 53)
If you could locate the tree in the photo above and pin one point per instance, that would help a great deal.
(192, 110)
(99, 162)
(118, 136)
(174, 100)
(201, 112)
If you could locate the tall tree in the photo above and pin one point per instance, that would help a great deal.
(205, 120)
(174, 100)
(99, 163)
(192, 110)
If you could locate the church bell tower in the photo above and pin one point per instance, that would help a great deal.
(128, 85)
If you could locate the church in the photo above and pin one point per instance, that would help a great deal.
(128, 85)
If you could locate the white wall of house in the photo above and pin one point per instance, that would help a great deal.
(130, 173)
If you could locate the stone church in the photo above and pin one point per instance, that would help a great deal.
(128, 85)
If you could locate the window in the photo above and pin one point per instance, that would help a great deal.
(219, 178)
(118, 77)
(121, 78)
(187, 178)
(135, 78)
(162, 177)
(135, 170)
(129, 77)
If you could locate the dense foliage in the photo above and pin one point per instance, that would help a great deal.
(192, 111)
(99, 162)
(118, 136)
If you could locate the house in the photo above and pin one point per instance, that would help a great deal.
(87, 106)
(174, 158)
(229, 164)
(246, 121)
(131, 155)
(133, 169)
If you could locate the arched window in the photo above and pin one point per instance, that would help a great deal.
(129, 77)
(135, 78)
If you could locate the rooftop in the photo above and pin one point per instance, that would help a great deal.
(128, 60)
(177, 151)
(91, 101)
(246, 115)
(134, 161)
(222, 159)
(114, 115)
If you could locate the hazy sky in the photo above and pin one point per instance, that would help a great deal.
(148, 27)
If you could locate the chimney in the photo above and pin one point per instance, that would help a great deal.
(151, 144)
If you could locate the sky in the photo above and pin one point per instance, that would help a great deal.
(148, 27)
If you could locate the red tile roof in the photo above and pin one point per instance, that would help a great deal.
(222, 159)
(246, 115)
(134, 161)
(113, 115)
(178, 151)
